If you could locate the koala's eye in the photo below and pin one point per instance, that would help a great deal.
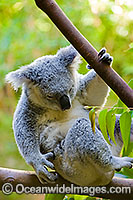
(70, 90)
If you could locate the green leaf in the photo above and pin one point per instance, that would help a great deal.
(125, 126)
(110, 119)
(129, 151)
(69, 196)
(79, 197)
(103, 125)
(54, 196)
(131, 113)
(122, 106)
(131, 83)
(90, 198)
(92, 119)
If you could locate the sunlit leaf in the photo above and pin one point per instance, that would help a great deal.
(90, 198)
(129, 151)
(92, 119)
(121, 107)
(125, 126)
(54, 196)
(79, 197)
(131, 113)
(111, 118)
(69, 196)
(103, 124)
(131, 83)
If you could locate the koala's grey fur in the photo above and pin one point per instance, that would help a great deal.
(50, 118)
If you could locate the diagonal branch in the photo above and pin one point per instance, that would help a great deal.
(29, 179)
(88, 52)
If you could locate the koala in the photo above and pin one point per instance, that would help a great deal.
(51, 126)
(86, 159)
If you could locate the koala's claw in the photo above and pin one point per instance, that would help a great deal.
(88, 66)
(101, 52)
(45, 160)
(40, 165)
(49, 155)
(45, 176)
(127, 162)
(105, 57)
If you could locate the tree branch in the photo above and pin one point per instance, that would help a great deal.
(29, 179)
(88, 52)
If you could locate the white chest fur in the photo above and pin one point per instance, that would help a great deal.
(59, 124)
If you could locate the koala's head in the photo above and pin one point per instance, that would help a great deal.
(49, 81)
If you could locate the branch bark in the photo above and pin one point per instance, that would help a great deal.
(86, 50)
(29, 179)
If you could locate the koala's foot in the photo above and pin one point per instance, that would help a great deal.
(40, 164)
(105, 57)
(119, 163)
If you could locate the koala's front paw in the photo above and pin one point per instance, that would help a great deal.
(119, 163)
(105, 57)
(43, 174)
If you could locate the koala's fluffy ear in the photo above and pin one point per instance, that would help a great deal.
(18, 77)
(69, 57)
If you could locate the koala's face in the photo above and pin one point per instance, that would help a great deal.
(53, 83)
(50, 81)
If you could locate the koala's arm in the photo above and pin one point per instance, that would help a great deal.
(92, 90)
(26, 132)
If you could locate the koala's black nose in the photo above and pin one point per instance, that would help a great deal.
(65, 102)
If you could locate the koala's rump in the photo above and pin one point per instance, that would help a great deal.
(83, 175)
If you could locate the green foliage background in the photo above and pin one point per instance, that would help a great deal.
(26, 33)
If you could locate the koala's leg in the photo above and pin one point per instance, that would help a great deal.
(119, 163)
(86, 154)
(84, 157)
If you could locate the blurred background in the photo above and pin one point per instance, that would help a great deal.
(26, 33)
